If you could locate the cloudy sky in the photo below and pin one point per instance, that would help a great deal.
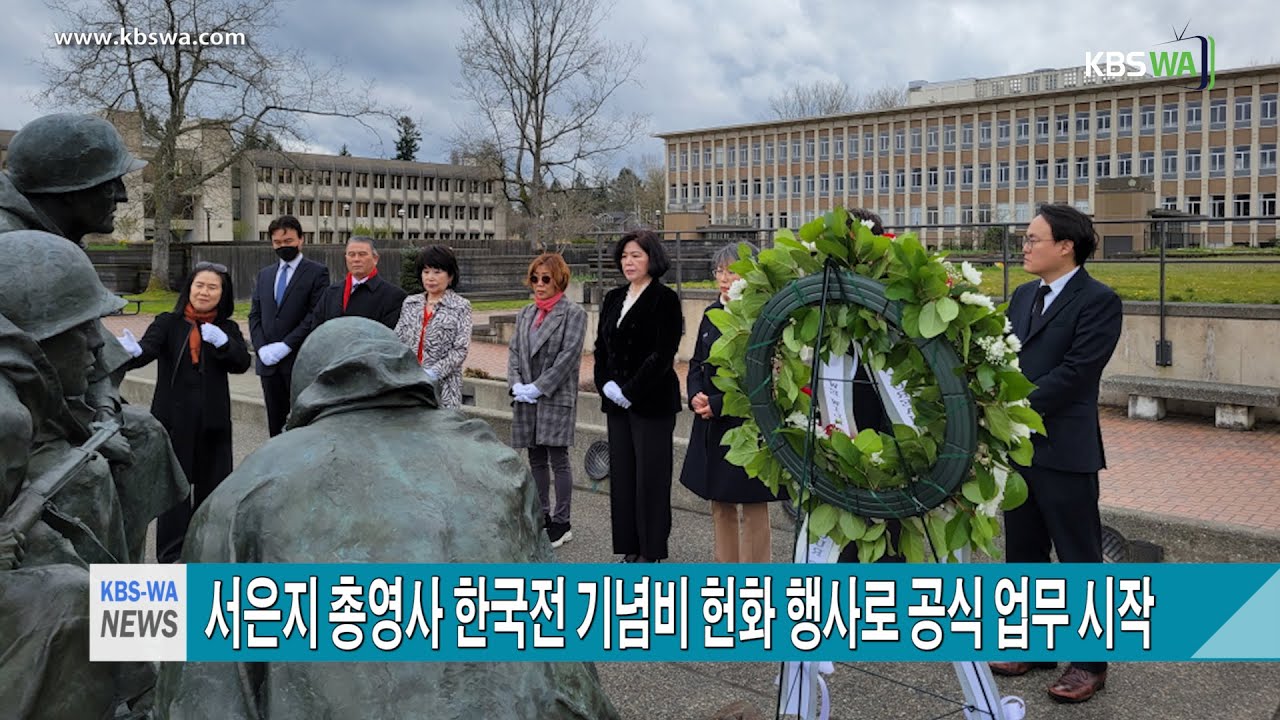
(704, 63)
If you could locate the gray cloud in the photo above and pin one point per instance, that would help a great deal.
(704, 63)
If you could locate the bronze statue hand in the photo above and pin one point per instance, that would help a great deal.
(116, 450)
(12, 548)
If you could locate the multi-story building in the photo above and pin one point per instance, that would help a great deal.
(333, 196)
(983, 151)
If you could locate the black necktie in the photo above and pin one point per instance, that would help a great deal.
(1037, 308)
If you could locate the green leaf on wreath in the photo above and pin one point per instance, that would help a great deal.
(724, 321)
(868, 442)
(1014, 385)
(821, 520)
(1015, 492)
(736, 404)
(790, 340)
(931, 322)
(998, 422)
(809, 326)
(986, 377)
(958, 531)
(911, 544)
(874, 531)
(948, 309)
(1028, 417)
(853, 526)
(844, 447)
(723, 382)
(1022, 452)
(810, 231)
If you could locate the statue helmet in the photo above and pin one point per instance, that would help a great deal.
(66, 152)
(54, 288)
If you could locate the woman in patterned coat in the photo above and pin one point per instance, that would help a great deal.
(542, 371)
(436, 324)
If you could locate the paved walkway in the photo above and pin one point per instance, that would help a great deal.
(1182, 467)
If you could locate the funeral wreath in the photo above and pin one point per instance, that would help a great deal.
(923, 328)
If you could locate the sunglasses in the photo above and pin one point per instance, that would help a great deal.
(539, 279)
(206, 265)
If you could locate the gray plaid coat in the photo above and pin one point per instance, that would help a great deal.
(550, 361)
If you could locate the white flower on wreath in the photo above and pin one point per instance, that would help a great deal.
(797, 420)
(970, 273)
(806, 355)
(952, 273)
(876, 458)
(1021, 431)
(812, 247)
(735, 290)
(868, 224)
(1008, 326)
(978, 299)
(991, 507)
(1013, 343)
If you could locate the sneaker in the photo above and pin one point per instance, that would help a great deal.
(559, 533)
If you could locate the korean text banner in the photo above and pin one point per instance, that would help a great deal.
(672, 612)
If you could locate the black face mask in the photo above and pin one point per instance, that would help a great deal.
(287, 253)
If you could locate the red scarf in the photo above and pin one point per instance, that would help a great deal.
(427, 314)
(544, 307)
(194, 339)
(346, 289)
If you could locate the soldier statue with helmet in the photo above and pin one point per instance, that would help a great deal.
(59, 506)
(65, 177)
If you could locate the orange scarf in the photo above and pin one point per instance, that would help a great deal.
(545, 307)
(195, 339)
(346, 289)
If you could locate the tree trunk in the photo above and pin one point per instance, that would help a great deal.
(160, 256)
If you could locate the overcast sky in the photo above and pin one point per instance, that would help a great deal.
(705, 63)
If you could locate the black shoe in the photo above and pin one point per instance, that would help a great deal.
(630, 558)
(559, 533)
(546, 521)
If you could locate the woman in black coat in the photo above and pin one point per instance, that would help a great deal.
(196, 346)
(636, 343)
(706, 472)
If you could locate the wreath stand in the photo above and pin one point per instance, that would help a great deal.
(803, 692)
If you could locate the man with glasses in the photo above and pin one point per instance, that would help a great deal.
(1069, 325)
(283, 294)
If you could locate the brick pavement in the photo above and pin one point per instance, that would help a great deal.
(1182, 466)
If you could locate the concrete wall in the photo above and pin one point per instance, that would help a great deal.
(1221, 343)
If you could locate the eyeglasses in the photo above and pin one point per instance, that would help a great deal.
(206, 265)
(539, 279)
(1028, 242)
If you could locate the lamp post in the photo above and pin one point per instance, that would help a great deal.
(404, 228)
(208, 221)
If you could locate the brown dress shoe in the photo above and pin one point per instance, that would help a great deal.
(1014, 669)
(1077, 685)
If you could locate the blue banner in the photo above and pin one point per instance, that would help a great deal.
(670, 612)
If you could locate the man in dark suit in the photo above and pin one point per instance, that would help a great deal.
(363, 293)
(1069, 325)
(283, 295)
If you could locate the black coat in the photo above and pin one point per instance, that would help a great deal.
(705, 471)
(192, 402)
(374, 298)
(1064, 357)
(270, 323)
(640, 354)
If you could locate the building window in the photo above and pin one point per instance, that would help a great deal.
(1217, 160)
(900, 179)
(949, 176)
(1169, 203)
(380, 181)
(1217, 114)
(1042, 171)
(1002, 173)
(1147, 164)
(362, 209)
(1193, 205)
(840, 182)
(1193, 116)
(915, 138)
(1060, 169)
(808, 184)
(853, 182)
(1042, 127)
(949, 136)
(1171, 117)
(1124, 120)
(839, 146)
(1267, 158)
(755, 153)
(1124, 164)
(1002, 131)
(808, 149)
(933, 177)
(362, 180)
(1241, 206)
(1082, 169)
(1082, 123)
(1104, 122)
(966, 135)
(1267, 205)
(1104, 166)
(931, 137)
(1244, 110)
(1024, 129)
(966, 176)
(824, 184)
(900, 140)
(266, 206)
(884, 179)
(984, 174)
(917, 178)
(706, 157)
(1218, 206)
(884, 142)
(1169, 163)
(1242, 159)
(1193, 162)
(1063, 126)
(1267, 109)
(868, 143)
(869, 181)
(1147, 119)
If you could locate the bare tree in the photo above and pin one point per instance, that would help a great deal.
(832, 97)
(821, 97)
(198, 107)
(542, 82)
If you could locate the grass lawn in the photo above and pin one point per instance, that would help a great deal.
(1237, 282)
(498, 304)
(155, 302)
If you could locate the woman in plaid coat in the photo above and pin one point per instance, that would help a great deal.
(436, 324)
(542, 372)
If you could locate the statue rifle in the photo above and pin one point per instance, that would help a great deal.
(27, 508)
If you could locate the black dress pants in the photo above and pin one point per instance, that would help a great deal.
(1061, 512)
(275, 392)
(640, 467)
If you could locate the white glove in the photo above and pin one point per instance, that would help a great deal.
(528, 390)
(272, 353)
(530, 399)
(213, 334)
(130, 344)
(614, 393)
(431, 374)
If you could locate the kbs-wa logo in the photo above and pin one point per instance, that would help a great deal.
(1193, 57)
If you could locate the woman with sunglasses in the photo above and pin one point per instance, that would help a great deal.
(436, 324)
(196, 345)
(542, 372)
